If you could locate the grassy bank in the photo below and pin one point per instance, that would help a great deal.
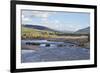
(82, 40)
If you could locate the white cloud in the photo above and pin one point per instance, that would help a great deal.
(39, 14)
(28, 15)
(26, 19)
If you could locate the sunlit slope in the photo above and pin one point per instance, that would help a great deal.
(30, 33)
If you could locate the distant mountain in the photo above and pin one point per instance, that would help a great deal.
(38, 27)
(84, 31)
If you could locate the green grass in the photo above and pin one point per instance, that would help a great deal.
(29, 33)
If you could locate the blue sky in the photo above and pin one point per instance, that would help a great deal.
(62, 21)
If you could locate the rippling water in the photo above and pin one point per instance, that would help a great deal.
(55, 54)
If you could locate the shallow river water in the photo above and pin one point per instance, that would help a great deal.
(64, 53)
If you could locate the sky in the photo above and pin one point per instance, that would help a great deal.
(58, 20)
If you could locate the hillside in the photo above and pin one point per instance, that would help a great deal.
(83, 31)
(42, 32)
(38, 27)
(31, 32)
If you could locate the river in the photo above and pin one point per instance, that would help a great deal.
(45, 54)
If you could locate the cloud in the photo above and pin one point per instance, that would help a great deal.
(51, 20)
(28, 15)
(25, 19)
(37, 14)
(69, 27)
(57, 25)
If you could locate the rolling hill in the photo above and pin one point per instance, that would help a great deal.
(40, 32)
(35, 31)
(83, 31)
(38, 27)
